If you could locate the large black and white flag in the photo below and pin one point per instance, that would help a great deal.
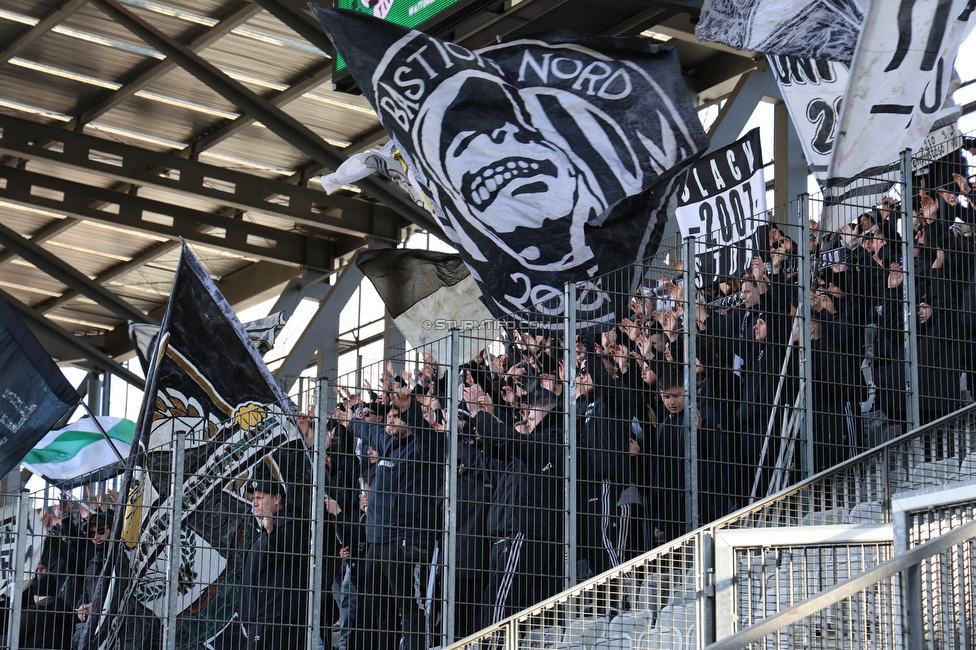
(546, 159)
(207, 380)
(811, 29)
(427, 294)
(34, 394)
(722, 205)
(899, 84)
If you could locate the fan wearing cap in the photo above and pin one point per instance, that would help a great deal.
(274, 601)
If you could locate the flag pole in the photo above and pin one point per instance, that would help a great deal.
(102, 430)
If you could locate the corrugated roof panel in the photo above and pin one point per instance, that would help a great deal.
(38, 90)
(34, 8)
(85, 319)
(157, 121)
(92, 19)
(23, 222)
(335, 122)
(34, 286)
(237, 52)
(245, 146)
(112, 247)
(99, 61)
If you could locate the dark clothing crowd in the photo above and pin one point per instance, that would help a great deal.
(647, 399)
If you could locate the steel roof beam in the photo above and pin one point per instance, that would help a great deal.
(171, 221)
(44, 233)
(157, 69)
(141, 259)
(54, 335)
(323, 326)
(301, 23)
(313, 78)
(285, 126)
(226, 186)
(32, 34)
(74, 279)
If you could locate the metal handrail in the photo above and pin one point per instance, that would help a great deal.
(845, 589)
(723, 523)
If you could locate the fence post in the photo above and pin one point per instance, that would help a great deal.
(806, 357)
(569, 408)
(318, 525)
(174, 558)
(450, 551)
(912, 623)
(19, 569)
(691, 385)
(908, 268)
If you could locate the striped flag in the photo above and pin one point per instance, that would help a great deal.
(80, 448)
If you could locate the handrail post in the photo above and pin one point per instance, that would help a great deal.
(450, 546)
(173, 560)
(316, 575)
(911, 308)
(806, 358)
(19, 569)
(691, 387)
(569, 408)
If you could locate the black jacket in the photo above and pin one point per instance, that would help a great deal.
(529, 490)
(405, 493)
(274, 585)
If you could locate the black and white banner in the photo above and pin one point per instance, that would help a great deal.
(722, 205)
(34, 394)
(546, 160)
(818, 29)
(429, 293)
(813, 90)
(899, 83)
(207, 380)
(10, 564)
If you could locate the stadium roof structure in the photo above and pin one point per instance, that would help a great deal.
(126, 125)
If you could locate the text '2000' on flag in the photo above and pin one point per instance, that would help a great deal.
(547, 159)
(208, 380)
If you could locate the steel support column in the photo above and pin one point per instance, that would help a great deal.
(323, 327)
(789, 166)
(739, 107)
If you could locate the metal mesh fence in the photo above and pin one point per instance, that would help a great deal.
(465, 486)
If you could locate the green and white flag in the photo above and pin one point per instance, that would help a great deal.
(80, 448)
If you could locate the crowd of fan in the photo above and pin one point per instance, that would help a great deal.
(631, 417)
(388, 448)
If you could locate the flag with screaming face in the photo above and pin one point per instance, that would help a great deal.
(546, 160)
